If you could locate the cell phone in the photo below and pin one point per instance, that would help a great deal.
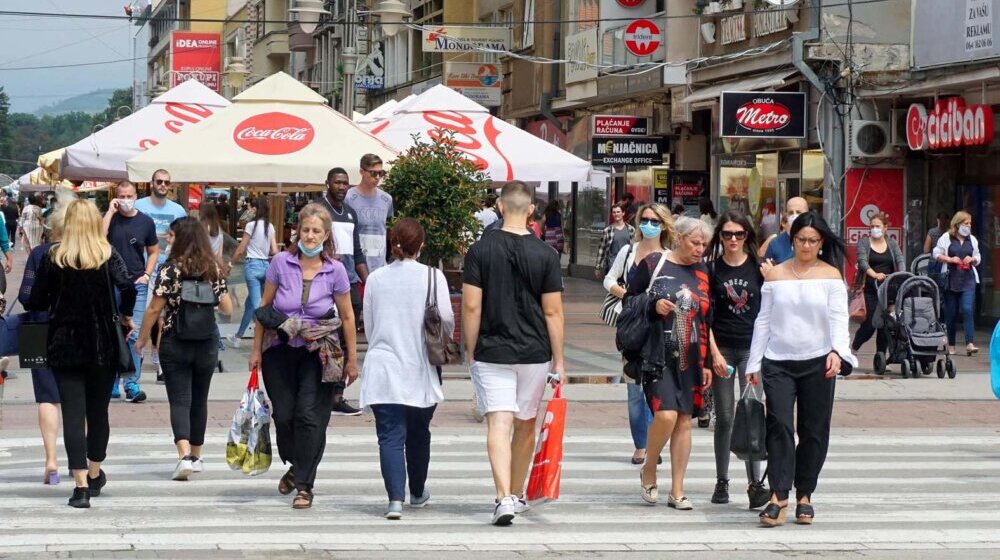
(552, 378)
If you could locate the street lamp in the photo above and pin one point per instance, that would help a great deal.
(309, 12)
(236, 72)
(391, 14)
(349, 59)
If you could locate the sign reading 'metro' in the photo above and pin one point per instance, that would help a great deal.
(620, 125)
(627, 151)
(754, 114)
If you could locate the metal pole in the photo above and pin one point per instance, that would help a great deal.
(350, 46)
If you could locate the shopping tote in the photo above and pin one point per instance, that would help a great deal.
(546, 470)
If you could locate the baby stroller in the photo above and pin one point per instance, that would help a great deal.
(908, 311)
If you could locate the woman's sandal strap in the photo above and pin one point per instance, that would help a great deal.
(772, 511)
(804, 510)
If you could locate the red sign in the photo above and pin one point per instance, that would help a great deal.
(682, 190)
(950, 125)
(548, 131)
(273, 134)
(642, 37)
(195, 56)
(873, 190)
(630, 3)
(620, 125)
(763, 117)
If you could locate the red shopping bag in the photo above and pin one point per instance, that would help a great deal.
(546, 470)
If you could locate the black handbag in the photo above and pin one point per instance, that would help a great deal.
(749, 439)
(122, 361)
(633, 321)
(33, 344)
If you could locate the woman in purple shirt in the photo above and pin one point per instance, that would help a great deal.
(307, 283)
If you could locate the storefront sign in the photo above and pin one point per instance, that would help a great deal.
(661, 186)
(620, 125)
(581, 47)
(627, 151)
(273, 134)
(978, 25)
(642, 37)
(549, 132)
(749, 114)
(946, 32)
(371, 71)
(768, 22)
(949, 125)
(451, 38)
(195, 56)
(745, 161)
(734, 29)
(479, 82)
(874, 190)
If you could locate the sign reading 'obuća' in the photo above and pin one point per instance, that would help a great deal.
(273, 134)
(763, 115)
(949, 125)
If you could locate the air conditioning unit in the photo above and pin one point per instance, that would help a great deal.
(870, 139)
(898, 130)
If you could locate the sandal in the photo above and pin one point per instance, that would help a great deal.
(773, 515)
(650, 494)
(303, 500)
(51, 478)
(287, 483)
(804, 514)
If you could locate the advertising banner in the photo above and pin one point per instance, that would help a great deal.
(478, 81)
(954, 31)
(756, 114)
(620, 125)
(195, 56)
(870, 191)
(451, 38)
(688, 188)
(582, 48)
(627, 151)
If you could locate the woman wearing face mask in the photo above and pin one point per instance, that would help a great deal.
(958, 253)
(878, 257)
(654, 235)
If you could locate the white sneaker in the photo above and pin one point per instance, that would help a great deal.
(679, 503)
(233, 341)
(183, 469)
(520, 506)
(419, 502)
(503, 513)
(197, 465)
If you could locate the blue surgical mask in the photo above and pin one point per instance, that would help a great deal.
(964, 231)
(310, 252)
(650, 231)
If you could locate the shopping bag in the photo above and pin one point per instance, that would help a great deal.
(239, 428)
(248, 447)
(748, 441)
(546, 470)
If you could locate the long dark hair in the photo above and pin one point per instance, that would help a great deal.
(191, 251)
(261, 212)
(716, 247)
(551, 209)
(832, 250)
(208, 214)
(705, 206)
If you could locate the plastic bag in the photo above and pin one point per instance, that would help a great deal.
(546, 470)
(749, 439)
(248, 447)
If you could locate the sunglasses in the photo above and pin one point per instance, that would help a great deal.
(162, 181)
(730, 235)
(652, 221)
(376, 174)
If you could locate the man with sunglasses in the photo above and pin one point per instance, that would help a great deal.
(374, 208)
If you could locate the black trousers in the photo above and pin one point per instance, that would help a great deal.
(85, 393)
(787, 384)
(187, 371)
(300, 408)
(866, 330)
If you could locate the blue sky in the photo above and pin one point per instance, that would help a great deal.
(35, 41)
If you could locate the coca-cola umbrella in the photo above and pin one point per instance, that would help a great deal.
(103, 154)
(502, 150)
(278, 132)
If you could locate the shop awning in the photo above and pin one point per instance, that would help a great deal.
(753, 83)
(953, 82)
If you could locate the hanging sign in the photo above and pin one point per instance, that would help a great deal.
(642, 37)
(451, 38)
(620, 125)
(195, 56)
(754, 114)
(627, 151)
(370, 74)
(949, 125)
(475, 80)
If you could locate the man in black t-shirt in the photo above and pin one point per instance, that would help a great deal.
(133, 235)
(513, 322)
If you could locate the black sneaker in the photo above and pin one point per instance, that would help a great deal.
(137, 396)
(80, 498)
(96, 484)
(343, 408)
(758, 494)
(721, 494)
(159, 375)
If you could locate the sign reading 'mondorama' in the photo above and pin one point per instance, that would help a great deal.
(627, 151)
(452, 38)
(755, 114)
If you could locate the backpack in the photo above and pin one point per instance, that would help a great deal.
(195, 319)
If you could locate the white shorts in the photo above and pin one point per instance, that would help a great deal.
(516, 388)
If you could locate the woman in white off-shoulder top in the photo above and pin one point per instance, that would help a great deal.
(800, 343)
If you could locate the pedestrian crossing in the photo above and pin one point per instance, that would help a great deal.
(929, 489)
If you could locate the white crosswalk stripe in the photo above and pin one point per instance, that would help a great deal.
(921, 489)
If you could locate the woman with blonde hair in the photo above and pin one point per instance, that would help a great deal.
(654, 234)
(75, 284)
(958, 252)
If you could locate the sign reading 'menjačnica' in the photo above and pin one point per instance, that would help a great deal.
(627, 151)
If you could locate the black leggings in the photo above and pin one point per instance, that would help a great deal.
(187, 371)
(85, 393)
(866, 330)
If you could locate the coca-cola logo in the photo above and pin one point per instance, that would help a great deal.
(273, 134)
(763, 116)
(462, 130)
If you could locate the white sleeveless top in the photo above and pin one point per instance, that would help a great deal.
(801, 320)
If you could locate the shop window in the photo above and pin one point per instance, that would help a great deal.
(592, 208)
(813, 175)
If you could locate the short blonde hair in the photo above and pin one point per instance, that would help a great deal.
(84, 246)
(668, 235)
(958, 219)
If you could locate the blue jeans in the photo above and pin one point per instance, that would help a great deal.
(255, 273)
(131, 381)
(639, 415)
(404, 447)
(964, 302)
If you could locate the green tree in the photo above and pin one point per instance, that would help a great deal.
(120, 98)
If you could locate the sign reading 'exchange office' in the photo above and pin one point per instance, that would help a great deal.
(627, 151)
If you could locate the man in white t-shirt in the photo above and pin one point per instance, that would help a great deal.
(374, 208)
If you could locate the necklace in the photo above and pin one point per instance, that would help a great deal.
(806, 273)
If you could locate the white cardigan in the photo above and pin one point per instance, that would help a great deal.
(620, 268)
(396, 369)
(944, 242)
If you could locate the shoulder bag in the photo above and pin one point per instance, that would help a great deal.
(441, 348)
(612, 306)
(122, 361)
(633, 322)
(748, 441)
(195, 319)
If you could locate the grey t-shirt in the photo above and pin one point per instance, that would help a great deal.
(373, 212)
(619, 239)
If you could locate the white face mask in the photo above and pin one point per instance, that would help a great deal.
(877, 233)
(126, 205)
(791, 219)
(964, 231)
